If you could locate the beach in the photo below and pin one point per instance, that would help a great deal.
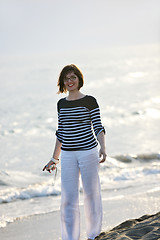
(47, 226)
(116, 45)
(128, 96)
(116, 211)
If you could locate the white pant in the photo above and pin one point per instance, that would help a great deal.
(86, 163)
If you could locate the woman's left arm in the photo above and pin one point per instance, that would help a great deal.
(102, 151)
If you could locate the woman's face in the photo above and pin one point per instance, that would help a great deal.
(71, 81)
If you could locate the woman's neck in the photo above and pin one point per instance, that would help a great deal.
(74, 95)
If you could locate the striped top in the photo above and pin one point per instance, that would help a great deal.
(76, 121)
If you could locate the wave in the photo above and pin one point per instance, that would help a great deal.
(3, 178)
(128, 171)
(145, 157)
(32, 191)
(121, 176)
(24, 185)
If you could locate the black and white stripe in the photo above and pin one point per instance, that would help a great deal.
(76, 122)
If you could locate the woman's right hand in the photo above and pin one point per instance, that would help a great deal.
(50, 166)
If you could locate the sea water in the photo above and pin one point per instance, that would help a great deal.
(126, 84)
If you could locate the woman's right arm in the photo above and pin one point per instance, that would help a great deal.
(58, 144)
(57, 149)
(52, 163)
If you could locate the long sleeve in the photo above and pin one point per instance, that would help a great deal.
(95, 115)
(96, 121)
(59, 132)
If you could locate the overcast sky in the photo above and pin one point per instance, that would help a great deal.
(48, 26)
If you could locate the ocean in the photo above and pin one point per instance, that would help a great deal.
(126, 84)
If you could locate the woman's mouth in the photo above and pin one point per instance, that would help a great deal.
(70, 85)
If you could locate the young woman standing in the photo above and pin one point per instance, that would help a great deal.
(79, 128)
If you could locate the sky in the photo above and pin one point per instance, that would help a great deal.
(49, 26)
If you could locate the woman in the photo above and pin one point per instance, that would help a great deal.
(77, 113)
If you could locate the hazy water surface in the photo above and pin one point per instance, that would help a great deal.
(126, 83)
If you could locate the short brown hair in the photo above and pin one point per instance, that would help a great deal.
(64, 72)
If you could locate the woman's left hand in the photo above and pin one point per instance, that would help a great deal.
(102, 155)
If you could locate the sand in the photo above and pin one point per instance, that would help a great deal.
(146, 228)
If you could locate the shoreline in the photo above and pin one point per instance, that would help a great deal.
(41, 226)
(47, 226)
